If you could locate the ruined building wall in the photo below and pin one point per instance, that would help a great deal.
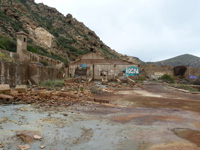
(38, 73)
(192, 72)
(19, 73)
(154, 72)
(13, 73)
(112, 71)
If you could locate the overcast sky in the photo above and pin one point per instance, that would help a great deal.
(152, 30)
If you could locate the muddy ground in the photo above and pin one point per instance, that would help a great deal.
(150, 116)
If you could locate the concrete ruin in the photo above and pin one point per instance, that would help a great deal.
(95, 66)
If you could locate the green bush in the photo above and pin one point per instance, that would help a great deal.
(7, 44)
(44, 62)
(96, 90)
(167, 78)
(52, 83)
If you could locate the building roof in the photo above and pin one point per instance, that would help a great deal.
(21, 33)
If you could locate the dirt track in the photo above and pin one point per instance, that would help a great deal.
(149, 117)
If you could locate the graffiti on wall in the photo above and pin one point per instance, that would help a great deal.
(132, 71)
(193, 77)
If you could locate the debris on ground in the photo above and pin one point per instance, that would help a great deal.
(37, 137)
(21, 88)
(24, 147)
(42, 146)
(104, 81)
(27, 136)
(130, 81)
(6, 99)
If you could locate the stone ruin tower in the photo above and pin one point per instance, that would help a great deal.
(22, 46)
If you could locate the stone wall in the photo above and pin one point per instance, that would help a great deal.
(19, 73)
(38, 73)
(13, 73)
(154, 72)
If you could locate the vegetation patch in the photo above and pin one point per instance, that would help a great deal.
(52, 83)
(167, 78)
(186, 87)
(7, 44)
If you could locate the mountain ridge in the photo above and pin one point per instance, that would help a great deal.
(181, 60)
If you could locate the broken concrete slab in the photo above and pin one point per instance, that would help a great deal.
(21, 88)
(119, 81)
(130, 81)
(42, 146)
(89, 80)
(37, 137)
(23, 147)
(5, 89)
(6, 99)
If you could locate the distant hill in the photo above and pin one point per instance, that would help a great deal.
(139, 60)
(50, 33)
(182, 60)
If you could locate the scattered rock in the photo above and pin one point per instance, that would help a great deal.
(37, 137)
(119, 81)
(65, 114)
(42, 146)
(25, 136)
(24, 147)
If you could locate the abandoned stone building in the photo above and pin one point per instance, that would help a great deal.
(95, 66)
(26, 56)
(24, 67)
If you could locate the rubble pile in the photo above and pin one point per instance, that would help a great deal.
(73, 91)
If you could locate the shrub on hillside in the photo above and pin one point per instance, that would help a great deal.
(167, 78)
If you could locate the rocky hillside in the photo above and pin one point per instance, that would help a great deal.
(182, 60)
(50, 33)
